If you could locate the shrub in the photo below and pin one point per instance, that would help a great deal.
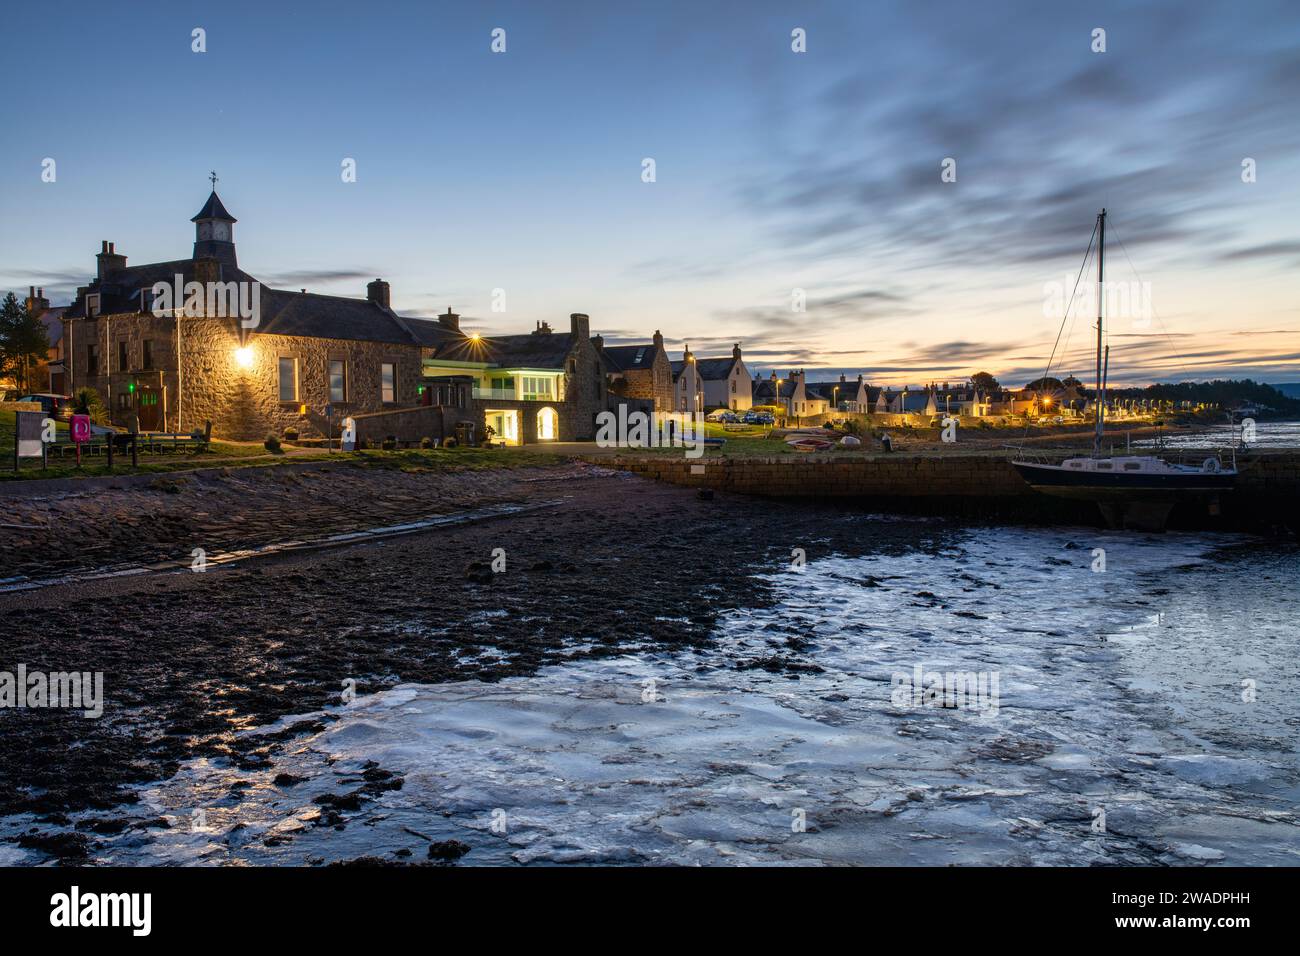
(272, 444)
(426, 442)
(290, 434)
(88, 402)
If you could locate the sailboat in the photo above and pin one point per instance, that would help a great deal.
(1132, 490)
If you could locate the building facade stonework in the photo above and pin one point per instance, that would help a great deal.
(306, 361)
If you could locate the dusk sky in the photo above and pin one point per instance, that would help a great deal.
(775, 170)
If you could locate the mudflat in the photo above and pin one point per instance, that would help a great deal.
(612, 564)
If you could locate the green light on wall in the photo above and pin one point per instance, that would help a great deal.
(131, 387)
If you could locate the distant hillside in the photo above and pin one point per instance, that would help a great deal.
(1289, 389)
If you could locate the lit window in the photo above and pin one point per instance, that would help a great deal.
(288, 379)
(338, 381)
(538, 389)
(388, 382)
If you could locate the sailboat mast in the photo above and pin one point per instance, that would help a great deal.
(1101, 298)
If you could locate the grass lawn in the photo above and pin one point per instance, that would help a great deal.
(254, 455)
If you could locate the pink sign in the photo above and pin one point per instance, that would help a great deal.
(80, 428)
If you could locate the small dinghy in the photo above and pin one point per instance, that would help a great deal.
(804, 443)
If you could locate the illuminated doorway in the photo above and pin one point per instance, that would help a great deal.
(547, 424)
(504, 425)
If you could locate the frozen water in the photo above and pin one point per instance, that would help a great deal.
(1120, 731)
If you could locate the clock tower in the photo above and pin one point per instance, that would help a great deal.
(214, 232)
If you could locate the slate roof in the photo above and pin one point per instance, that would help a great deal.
(767, 389)
(121, 291)
(712, 369)
(533, 350)
(312, 315)
(212, 209)
(621, 358)
(53, 321)
(827, 390)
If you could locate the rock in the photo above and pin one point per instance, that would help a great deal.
(447, 850)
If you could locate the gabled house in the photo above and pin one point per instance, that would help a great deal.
(791, 394)
(726, 382)
(641, 371)
(688, 387)
(846, 395)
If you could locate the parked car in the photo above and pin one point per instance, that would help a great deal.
(57, 406)
(762, 418)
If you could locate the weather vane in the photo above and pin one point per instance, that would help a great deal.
(213, 177)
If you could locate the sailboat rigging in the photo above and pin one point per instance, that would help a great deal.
(1137, 490)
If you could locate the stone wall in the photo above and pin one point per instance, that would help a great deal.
(241, 402)
(654, 384)
(411, 424)
(1267, 494)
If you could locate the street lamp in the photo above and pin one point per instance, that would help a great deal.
(244, 356)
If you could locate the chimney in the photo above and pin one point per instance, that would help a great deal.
(449, 320)
(580, 325)
(378, 293)
(859, 378)
(842, 378)
(37, 304)
(735, 351)
(543, 328)
(658, 339)
(108, 260)
(599, 342)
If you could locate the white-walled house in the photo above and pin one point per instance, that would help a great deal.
(847, 394)
(726, 382)
(688, 387)
(791, 394)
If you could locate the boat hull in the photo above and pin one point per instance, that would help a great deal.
(1094, 486)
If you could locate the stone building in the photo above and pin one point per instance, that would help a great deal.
(48, 374)
(254, 361)
(640, 371)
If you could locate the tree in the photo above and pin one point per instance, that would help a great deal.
(24, 341)
(985, 382)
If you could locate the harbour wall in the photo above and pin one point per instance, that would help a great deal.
(965, 485)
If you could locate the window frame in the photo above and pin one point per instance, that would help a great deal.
(280, 358)
(329, 379)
